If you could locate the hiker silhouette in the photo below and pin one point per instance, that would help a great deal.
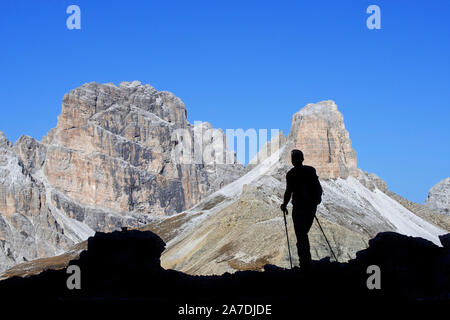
(303, 186)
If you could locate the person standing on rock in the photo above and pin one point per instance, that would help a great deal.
(302, 184)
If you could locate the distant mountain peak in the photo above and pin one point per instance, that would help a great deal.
(319, 131)
(439, 197)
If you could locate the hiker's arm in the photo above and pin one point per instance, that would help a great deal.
(287, 194)
(287, 197)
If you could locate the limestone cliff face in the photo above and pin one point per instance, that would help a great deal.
(28, 229)
(113, 160)
(319, 131)
(113, 148)
(439, 197)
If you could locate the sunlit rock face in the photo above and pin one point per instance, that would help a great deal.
(113, 160)
(114, 147)
(28, 229)
(319, 131)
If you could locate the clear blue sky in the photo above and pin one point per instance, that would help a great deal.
(249, 64)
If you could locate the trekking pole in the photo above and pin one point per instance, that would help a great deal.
(287, 236)
(326, 239)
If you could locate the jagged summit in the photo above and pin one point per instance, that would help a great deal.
(132, 84)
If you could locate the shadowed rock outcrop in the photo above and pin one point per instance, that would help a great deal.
(126, 265)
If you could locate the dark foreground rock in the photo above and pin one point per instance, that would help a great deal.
(126, 266)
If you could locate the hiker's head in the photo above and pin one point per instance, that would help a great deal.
(297, 157)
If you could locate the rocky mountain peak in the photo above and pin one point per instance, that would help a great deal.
(4, 142)
(319, 131)
(439, 197)
(109, 163)
(94, 101)
(119, 142)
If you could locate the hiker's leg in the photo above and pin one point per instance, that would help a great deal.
(303, 219)
(308, 220)
(301, 232)
(304, 253)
